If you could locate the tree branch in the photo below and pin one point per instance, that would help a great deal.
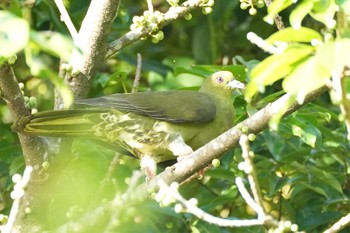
(135, 35)
(91, 45)
(34, 148)
(31, 146)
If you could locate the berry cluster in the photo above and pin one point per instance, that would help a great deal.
(252, 4)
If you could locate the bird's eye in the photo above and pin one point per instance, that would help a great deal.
(220, 79)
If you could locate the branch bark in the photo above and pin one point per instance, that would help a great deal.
(135, 35)
(91, 47)
(34, 148)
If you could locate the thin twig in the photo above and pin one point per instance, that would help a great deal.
(251, 174)
(91, 46)
(66, 19)
(336, 227)
(150, 6)
(190, 206)
(249, 200)
(111, 168)
(135, 35)
(277, 18)
(138, 73)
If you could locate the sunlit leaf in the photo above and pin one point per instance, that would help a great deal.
(310, 74)
(321, 5)
(334, 56)
(326, 15)
(299, 13)
(306, 131)
(275, 67)
(345, 5)
(302, 34)
(14, 34)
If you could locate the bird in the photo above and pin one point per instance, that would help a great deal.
(152, 126)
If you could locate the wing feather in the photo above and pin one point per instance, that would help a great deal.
(171, 106)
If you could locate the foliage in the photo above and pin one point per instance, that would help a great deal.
(302, 161)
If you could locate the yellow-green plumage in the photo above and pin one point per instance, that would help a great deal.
(159, 125)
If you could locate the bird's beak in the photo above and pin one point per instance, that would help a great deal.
(236, 84)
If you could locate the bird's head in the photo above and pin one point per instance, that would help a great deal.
(221, 83)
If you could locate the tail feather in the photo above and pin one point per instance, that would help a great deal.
(60, 123)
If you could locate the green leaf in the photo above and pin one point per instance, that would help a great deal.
(310, 74)
(345, 5)
(275, 143)
(326, 178)
(14, 6)
(204, 227)
(53, 43)
(302, 34)
(321, 5)
(178, 61)
(316, 189)
(14, 34)
(334, 56)
(275, 67)
(325, 15)
(306, 131)
(299, 13)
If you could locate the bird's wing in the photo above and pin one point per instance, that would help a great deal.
(171, 106)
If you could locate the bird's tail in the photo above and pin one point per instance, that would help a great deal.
(59, 123)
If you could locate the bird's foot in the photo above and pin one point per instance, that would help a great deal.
(148, 167)
(179, 148)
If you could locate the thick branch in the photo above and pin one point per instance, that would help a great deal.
(33, 147)
(91, 44)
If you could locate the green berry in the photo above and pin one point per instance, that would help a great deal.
(260, 4)
(160, 35)
(253, 11)
(3, 219)
(215, 162)
(245, 129)
(75, 72)
(244, 5)
(32, 102)
(188, 16)
(207, 10)
(27, 210)
(11, 60)
(178, 208)
(45, 165)
(251, 137)
(155, 40)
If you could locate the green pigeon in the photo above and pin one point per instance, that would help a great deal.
(153, 126)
